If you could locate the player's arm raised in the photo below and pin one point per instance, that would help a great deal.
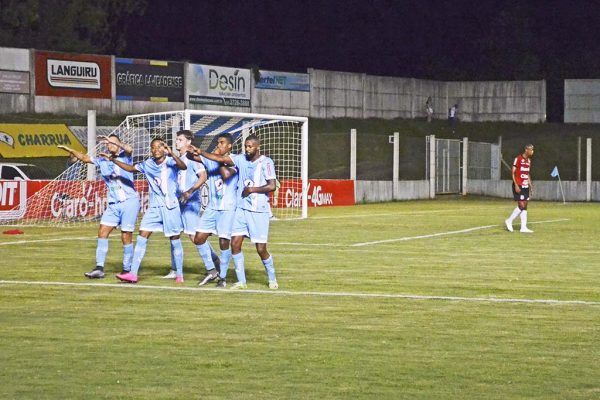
(80, 156)
(215, 157)
(180, 164)
(121, 164)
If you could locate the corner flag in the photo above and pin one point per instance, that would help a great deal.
(554, 172)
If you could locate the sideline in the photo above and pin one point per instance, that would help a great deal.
(307, 293)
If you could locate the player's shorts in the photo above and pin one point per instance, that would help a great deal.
(217, 222)
(523, 196)
(122, 213)
(254, 225)
(190, 216)
(162, 219)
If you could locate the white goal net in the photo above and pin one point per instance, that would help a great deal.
(79, 194)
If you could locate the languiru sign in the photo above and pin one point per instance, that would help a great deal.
(73, 74)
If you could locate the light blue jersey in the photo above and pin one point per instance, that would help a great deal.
(222, 194)
(119, 182)
(162, 179)
(254, 174)
(186, 178)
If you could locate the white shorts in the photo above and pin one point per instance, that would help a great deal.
(123, 213)
(162, 219)
(254, 225)
(190, 216)
(217, 222)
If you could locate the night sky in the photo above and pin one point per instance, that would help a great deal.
(447, 40)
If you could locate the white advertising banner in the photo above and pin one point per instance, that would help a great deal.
(222, 86)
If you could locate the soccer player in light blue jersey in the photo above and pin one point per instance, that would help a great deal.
(189, 181)
(217, 219)
(256, 180)
(123, 201)
(163, 214)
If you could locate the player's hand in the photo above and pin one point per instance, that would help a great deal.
(65, 148)
(247, 191)
(185, 196)
(517, 189)
(168, 150)
(108, 156)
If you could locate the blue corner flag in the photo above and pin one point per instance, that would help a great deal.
(554, 172)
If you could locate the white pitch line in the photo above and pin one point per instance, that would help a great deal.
(476, 228)
(425, 212)
(307, 293)
(47, 240)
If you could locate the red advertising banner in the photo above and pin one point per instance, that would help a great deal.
(57, 200)
(86, 201)
(321, 192)
(13, 197)
(72, 75)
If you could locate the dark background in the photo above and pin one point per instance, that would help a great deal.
(443, 40)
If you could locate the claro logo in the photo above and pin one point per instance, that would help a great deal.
(317, 198)
(73, 74)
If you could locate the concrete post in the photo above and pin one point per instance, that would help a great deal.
(396, 167)
(353, 154)
(91, 144)
(465, 165)
(588, 171)
(432, 166)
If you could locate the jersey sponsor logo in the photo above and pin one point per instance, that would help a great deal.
(73, 74)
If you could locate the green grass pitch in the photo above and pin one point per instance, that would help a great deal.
(404, 300)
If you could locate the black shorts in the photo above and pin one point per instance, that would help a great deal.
(523, 196)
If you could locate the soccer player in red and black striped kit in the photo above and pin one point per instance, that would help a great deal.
(522, 188)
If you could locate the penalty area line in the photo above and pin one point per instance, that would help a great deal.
(307, 293)
(476, 228)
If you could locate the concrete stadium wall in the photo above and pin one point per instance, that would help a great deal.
(342, 94)
(336, 94)
(378, 191)
(333, 94)
(12, 59)
(582, 101)
(388, 97)
(71, 105)
(521, 101)
(544, 190)
(280, 102)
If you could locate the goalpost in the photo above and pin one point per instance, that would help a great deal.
(71, 198)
